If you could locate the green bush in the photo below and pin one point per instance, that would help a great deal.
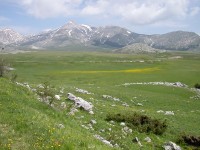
(3, 68)
(5, 71)
(47, 92)
(190, 140)
(197, 86)
(142, 122)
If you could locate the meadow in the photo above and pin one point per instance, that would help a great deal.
(100, 73)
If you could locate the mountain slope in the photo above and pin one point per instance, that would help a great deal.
(26, 123)
(138, 48)
(69, 34)
(178, 40)
(113, 36)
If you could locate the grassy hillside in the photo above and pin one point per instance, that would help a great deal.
(101, 74)
(26, 123)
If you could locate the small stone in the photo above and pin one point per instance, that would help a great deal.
(93, 122)
(63, 105)
(160, 111)
(137, 140)
(147, 139)
(85, 127)
(171, 146)
(122, 124)
(169, 113)
(91, 112)
(127, 130)
(61, 126)
(116, 145)
(112, 122)
(57, 97)
(139, 104)
(102, 130)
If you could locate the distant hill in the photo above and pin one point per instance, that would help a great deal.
(138, 48)
(178, 40)
(109, 36)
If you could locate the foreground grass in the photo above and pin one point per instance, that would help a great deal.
(26, 123)
(104, 74)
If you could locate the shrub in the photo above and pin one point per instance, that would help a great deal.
(197, 86)
(46, 92)
(142, 122)
(190, 140)
(3, 68)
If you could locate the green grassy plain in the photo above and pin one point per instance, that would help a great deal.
(102, 74)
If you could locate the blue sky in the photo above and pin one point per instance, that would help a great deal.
(140, 16)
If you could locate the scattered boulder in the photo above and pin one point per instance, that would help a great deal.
(73, 111)
(127, 130)
(83, 91)
(171, 146)
(103, 140)
(70, 96)
(125, 104)
(110, 97)
(81, 103)
(173, 84)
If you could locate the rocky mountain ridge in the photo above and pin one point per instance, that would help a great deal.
(8, 36)
(108, 36)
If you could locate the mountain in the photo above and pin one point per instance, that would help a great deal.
(72, 33)
(69, 34)
(8, 36)
(113, 37)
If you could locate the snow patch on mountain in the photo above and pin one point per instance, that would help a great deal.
(88, 27)
(69, 32)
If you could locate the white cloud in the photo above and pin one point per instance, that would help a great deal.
(150, 11)
(95, 8)
(195, 11)
(140, 12)
(50, 8)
